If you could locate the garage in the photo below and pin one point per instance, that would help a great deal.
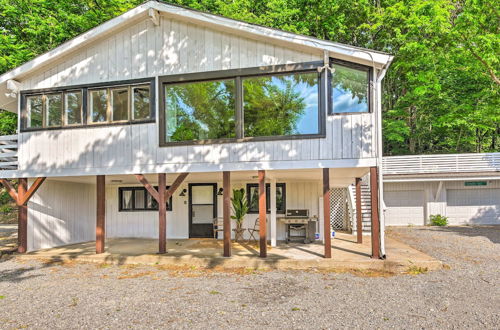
(404, 207)
(474, 206)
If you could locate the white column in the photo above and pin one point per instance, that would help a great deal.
(273, 211)
(321, 217)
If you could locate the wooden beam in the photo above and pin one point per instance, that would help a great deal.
(359, 222)
(162, 213)
(326, 213)
(10, 190)
(262, 214)
(22, 217)
(32, 190)
(100, 213)
(375, 213)
(152, 191)
(226, 211)
(176, 184)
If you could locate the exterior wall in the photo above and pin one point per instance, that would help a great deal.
(61, 213)
(173, 47)
(461, 211)
(304, 195)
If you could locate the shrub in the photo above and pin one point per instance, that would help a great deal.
(6, 208)
(438, 220)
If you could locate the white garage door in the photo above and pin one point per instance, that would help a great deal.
(475, 206)
(404, 207)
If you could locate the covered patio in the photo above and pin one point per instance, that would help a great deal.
(208, 253)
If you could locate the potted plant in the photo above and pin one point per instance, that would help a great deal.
(240, 209)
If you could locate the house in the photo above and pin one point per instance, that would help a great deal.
(463, 187)
(142, 127)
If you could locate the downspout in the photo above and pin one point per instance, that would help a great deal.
(378, 102)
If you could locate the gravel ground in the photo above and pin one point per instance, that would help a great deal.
(466, 295)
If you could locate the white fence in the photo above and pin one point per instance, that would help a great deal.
(8, 152)
(453, 163)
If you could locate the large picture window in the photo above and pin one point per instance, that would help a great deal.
(253, 198)
(200, 111)
(86, 105)
(138, 199)
(350, 89)
(242, 104)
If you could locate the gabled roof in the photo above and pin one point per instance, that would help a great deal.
(355, 54)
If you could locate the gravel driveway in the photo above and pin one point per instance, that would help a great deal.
(467, 295)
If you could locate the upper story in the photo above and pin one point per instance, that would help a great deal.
(163, 88)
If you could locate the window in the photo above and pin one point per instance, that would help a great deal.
(200, 111)
(253, 198)
(73, 108)
(140, 102)
(138, 199)
(350, 89)
(119, 104)
(53, 104)
(35, 111)
(98, 105)
(281, 101)
(279, 105)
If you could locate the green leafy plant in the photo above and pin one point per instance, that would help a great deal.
(438, 220)
(240, 206)
(6, 208)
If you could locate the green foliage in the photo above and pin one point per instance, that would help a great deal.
(438, 220)
(6, 208)
(240, 206)
(5, 197)
(441, 94)
(8, 123)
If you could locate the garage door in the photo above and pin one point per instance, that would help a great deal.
(404, 207)
(475, 206)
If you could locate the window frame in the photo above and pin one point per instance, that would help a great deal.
(367, 69)
(85, 108)
(133, 189)
(238, 75)
(249, 186)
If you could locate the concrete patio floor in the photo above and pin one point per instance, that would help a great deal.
(346, 254)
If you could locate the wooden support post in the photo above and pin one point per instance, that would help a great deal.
(359, 222)
(375, 213)
(262, 214)
(162, 213)
(100, 233)
(22, 197)
(22, 216)
(226, 212)
(326, 213)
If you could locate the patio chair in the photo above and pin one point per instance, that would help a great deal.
(218, 225)
(254, 230)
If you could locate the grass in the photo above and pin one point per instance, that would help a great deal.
(415, 270)
(214, 292)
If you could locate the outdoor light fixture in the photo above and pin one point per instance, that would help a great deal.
(221, 190)
(183, 192)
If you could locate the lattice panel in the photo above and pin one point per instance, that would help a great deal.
(338, 208)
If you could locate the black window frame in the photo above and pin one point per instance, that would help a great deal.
(238, 75)
(85, 110)
(356, 66)
(134, 209)
(268, 197)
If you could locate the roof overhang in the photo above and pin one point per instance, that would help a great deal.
(8, 99)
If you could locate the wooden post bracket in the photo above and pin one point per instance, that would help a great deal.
(22, 200)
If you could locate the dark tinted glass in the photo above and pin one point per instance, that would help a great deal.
(141, 102)
(98, 105)
(119, 104)
(54, 108)
(200, 111)
(281, 105)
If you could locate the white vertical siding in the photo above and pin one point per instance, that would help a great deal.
(61, 213)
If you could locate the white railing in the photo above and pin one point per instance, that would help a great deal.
(8, 152)
(453, 163)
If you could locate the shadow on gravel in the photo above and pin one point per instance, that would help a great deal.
(17, 275)
(490, 232)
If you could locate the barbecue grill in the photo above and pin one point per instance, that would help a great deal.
(299, 226)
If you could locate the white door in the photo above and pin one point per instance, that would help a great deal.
(473, 205)
(404, 207)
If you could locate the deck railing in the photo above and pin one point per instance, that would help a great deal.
(454, 163)
(8, 152)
